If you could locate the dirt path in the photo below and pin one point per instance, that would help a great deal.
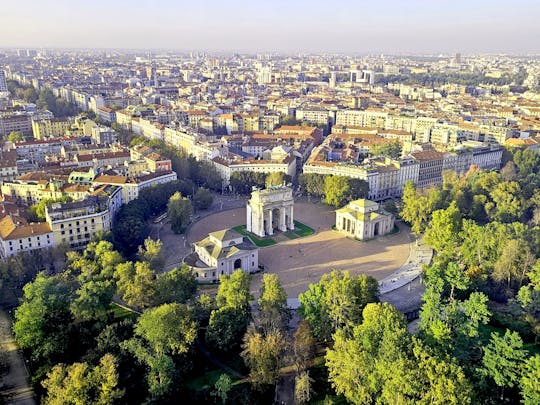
(14, 386)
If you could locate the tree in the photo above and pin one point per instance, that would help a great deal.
(336, 190)
(225, 329)
(276, 179)
(503, 359)
(222, 387)
(451, 325)
(302, 387)
(15, 136)
(442, 234)
(93, 299)
(358, 188)
(312, 183)
(509, 172)
(262, 354)
(514, 262)
(203, 306)
(242, 182)
(337, 301)
(234, 292)
(273, 303)
(527, 162)
(416, 208)
(179, 211)
(202, 199)
(303, 346)
(81, 384)
(530, 381)
(389, 149)
(507, 202)
(438, 379)
(168, 329)
(361, 364)
(152, 253)
(178, 285)
(136, 283)
(42, 320)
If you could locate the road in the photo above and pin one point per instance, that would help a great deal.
(14, 386)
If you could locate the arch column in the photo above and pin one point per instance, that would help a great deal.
(269, 229)
(290, 225)
(282, 226)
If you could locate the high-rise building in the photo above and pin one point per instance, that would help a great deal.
(3, 82)
(332, 82)
(264, 76)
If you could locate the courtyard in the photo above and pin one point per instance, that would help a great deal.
(300, 262)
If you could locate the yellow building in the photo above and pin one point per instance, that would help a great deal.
(50, 128)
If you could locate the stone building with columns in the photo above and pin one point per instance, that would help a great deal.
(269, 210)
(222, 253)
(364, 219)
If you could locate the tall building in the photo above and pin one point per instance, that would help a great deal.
(3, 82)
(264, 76)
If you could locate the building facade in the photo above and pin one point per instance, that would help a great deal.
(364, 219)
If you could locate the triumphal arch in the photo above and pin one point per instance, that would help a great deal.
(270, 209)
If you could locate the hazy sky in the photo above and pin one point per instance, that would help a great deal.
(276, 25)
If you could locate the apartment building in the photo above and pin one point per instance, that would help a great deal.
(132, 186)
(75, 223)
(17, 235)
(50, 128)
(8, 165)
(15, 122)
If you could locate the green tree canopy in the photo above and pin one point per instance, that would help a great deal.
(234, 291)
(503, 359)
(179, 211)
(42, 321)
(337, 301)
(202, 199)
(168, 329)
(226, 328)
(81, 384)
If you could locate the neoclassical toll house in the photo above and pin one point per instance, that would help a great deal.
(364, 219)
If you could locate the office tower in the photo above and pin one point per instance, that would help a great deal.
(3, 83)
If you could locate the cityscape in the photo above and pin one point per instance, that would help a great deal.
(337, 209)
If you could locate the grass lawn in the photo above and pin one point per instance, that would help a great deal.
(204, 381)
(121, 313)
(300, 231)
(260, 242)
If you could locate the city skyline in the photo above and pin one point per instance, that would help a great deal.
(344, 26)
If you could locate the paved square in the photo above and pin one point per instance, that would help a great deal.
(299, 262)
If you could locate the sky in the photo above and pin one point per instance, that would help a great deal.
(288, 26)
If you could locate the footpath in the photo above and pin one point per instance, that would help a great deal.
(14, 387)
(419, 255)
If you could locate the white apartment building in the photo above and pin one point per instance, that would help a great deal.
(76, 223)
(132, 186)
(16, 235)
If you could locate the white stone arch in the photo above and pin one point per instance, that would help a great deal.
(269, 210)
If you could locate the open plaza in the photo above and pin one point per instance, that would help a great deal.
(302, 261)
